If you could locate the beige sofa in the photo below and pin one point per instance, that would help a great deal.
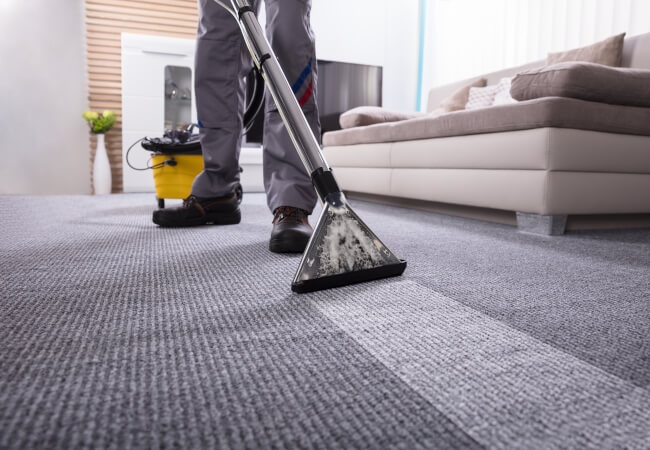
(545, 165)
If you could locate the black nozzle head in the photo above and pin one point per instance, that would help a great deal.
(346, 278)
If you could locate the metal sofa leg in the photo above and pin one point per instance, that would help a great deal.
(540, 224)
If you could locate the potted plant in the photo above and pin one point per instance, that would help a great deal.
(101, 123)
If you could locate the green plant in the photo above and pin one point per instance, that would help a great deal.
(99, 123)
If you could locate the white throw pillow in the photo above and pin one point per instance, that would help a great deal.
(503, 96)
(481, 97)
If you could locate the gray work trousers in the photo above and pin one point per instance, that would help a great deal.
(222, 61)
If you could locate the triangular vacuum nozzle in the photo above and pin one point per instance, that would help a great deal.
(342, 251)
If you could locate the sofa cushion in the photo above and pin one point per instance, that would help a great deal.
(481, 97)
(503, 96)
(586, 81)
(557, 112)
(556, 149)
(608, 52)
(457, 100)
(370, 115)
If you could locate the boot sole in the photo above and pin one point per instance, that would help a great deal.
(230, 218)
(287, 245)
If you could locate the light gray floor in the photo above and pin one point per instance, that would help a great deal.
(115, 333)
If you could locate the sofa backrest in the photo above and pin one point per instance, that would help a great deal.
(636, 53)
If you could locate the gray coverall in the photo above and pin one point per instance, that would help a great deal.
(222, 61)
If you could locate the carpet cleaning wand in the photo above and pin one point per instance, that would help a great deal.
(342, 250)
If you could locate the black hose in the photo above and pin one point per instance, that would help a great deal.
(257, 99)
(170, 161)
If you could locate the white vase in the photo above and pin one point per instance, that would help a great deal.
(102, 182)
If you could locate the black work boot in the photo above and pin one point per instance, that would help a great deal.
(200, 211)
(291, 230)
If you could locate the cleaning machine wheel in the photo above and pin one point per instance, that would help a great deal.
(239, 192)
(161, 203)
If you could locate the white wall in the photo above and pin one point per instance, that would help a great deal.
(43, 139)
(378, 32)
(44, 145)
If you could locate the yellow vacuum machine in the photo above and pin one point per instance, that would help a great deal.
(176, 160)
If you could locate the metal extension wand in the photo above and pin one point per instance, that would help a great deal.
(342, 249)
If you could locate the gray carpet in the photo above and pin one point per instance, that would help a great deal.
(117, 334)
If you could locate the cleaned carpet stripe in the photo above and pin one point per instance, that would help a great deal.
(503, 387)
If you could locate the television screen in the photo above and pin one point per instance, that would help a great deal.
(341, 86)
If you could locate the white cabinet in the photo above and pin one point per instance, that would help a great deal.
(144, 59)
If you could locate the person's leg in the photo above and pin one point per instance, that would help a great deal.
(221, 61)
(221, 64)
(289, 32)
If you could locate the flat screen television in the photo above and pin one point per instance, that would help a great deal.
(341, 86)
